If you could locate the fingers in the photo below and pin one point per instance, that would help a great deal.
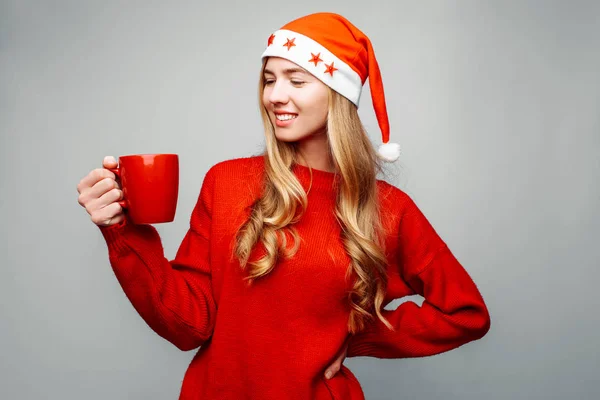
(92, 194)
(111, 196)
(98, 174)
(109, 162)
(106, 210)
(111, 214)
(335, 367)
(99, 194)
(94, 177)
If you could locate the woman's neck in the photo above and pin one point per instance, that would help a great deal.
(314, 152)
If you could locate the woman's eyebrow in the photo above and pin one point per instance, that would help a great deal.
(287, 71)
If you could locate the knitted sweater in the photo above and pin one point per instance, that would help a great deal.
(274, 339)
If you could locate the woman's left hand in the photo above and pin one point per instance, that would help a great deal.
(336, 365)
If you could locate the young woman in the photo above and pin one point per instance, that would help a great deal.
(291, 256)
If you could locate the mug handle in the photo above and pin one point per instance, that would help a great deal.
(117, 172)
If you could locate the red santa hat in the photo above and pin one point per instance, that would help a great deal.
(332, 49)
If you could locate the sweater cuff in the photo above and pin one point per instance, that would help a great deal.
(376, 340)
(115, 237)
(363, 345)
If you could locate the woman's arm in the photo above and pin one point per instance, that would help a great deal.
(453, 312)
(175, 297)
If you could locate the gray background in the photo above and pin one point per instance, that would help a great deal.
(495, 105)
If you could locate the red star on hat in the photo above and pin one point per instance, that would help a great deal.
(271, 40)
(290, 43)
(330, 69)
(315, 58)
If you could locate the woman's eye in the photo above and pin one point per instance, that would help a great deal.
(293, 82)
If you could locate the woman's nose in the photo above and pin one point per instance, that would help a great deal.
(278, 93)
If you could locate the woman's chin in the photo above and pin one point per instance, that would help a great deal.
(284, 137)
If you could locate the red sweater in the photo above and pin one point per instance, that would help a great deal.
(274, 339)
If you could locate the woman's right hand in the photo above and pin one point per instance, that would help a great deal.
(99, 194)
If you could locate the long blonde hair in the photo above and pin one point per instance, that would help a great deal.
(284, 200)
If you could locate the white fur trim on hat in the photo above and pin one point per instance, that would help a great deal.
(344, 80)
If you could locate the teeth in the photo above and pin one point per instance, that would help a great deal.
(285, 117)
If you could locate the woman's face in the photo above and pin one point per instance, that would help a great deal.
(296, 101)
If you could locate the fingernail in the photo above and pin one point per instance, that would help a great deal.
(328, 374)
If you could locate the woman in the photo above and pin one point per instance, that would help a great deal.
(292, 255)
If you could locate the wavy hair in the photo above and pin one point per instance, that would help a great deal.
(284, 201)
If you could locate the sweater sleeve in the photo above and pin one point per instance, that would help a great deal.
(453, 311)
(175, 297)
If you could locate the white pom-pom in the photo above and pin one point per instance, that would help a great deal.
(389, 152)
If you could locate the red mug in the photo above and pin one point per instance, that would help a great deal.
(150, 184)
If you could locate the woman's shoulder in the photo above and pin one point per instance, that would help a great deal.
(234, 169)
(238, 166)
(236, 177)
(390, 192)
(393, 199)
